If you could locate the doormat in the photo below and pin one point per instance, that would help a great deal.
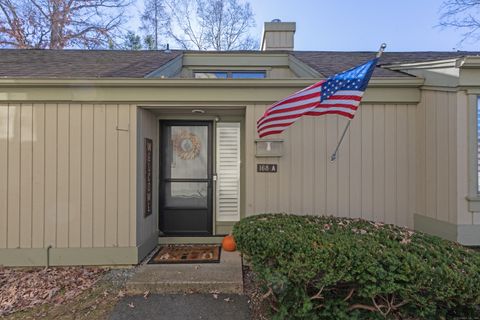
(204, 253)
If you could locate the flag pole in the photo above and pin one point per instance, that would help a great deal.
(333, 157)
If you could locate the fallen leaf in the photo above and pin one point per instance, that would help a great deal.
(131, 305)
(146, 294)
(24, 288)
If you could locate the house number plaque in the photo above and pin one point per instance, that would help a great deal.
(264, 167)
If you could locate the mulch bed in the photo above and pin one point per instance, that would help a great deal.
(259, 306)
(23, 288)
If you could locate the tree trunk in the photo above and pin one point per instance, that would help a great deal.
(56, 32)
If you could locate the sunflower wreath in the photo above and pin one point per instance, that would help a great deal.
(187, 145)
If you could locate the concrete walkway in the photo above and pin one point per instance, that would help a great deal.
(223, 277)
(181, 307)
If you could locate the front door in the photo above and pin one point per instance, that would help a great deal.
(186, 178)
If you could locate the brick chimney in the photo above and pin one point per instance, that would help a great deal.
(278, 35)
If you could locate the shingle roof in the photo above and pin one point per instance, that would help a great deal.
(17, 63)
(331, 62)
(81, 63)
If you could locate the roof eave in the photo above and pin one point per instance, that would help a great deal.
(159, 82)
(448, 63)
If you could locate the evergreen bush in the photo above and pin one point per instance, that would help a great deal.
(317, 267)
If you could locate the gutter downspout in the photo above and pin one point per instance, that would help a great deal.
(48, 256)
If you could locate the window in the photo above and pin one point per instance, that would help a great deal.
(248, 75)
(230, 74)
(211, 75)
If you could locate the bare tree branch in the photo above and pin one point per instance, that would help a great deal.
(155, 20)
(203, 24)
(58, 24)
(463, 15)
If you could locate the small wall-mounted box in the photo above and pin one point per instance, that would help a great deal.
(268, 148)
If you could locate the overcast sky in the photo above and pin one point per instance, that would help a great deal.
(405, 25)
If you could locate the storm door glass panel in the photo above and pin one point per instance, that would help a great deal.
(186, 194)
(188, 148)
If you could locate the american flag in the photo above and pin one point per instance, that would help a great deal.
(340, 94)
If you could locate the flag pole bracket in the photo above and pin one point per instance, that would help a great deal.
(334, 155)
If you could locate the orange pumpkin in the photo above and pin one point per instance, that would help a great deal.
(228, 243)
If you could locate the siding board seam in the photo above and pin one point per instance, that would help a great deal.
(105, 181)
(372, 208)
(337, 169)
(434, 156)
(395, 134)
(8, 173)
(448, 157)
(20, 213)
(117, 139)
(81, 173)
(44, 169)
(349, 164)
(93, 177)
(68, 181)
(129, 176)
(314, 167)
(20, 107)
(384, 164)
(56, 174)
(117, 134)
(361, 165)
(424, 160)
(408, 169)
(31, 183)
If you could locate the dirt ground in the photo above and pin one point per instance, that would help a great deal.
(98, 301)
(259, 307)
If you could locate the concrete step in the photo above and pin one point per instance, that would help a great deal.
(223, 277)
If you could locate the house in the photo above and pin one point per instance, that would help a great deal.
(104, 154)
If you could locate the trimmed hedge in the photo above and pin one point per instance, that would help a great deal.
(339, 268)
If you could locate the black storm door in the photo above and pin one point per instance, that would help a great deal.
(186, 178)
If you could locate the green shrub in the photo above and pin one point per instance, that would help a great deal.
(339, 268)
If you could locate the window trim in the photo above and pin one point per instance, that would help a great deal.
(473, 197)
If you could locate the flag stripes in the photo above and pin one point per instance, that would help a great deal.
(340, 94)
(284, 113)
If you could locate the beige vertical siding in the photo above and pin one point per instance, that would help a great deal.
(373, 177)
(4, 121)
(436, 160)
(148, 128)
(13, 177)
(66, 175)
(442, 157)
